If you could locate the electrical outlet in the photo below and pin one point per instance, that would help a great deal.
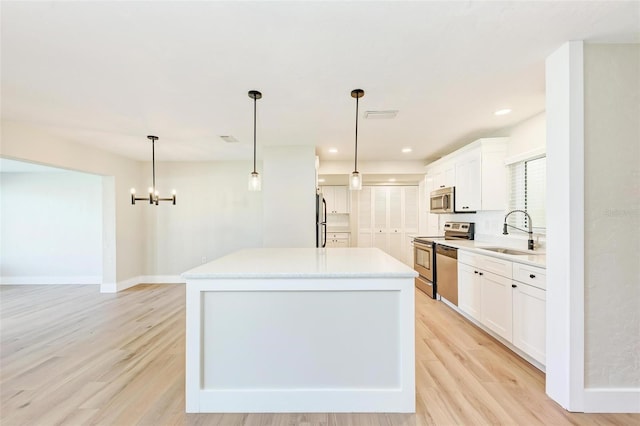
(204, 259)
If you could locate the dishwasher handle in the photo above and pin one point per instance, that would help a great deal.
(447, 251)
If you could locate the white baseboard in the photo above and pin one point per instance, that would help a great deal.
(162, 279)
(612, 400)
(46, 280)
(141, 279)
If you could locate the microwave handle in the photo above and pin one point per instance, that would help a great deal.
(445, 202)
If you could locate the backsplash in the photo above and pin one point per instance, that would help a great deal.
(488, 228)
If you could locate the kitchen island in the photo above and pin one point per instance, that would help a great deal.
(300, 330)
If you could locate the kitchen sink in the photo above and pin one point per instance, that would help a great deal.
(508, 251)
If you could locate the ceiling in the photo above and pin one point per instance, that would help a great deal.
(110, 73)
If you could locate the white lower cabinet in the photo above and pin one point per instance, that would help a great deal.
(489, 291)
(529, 320)
(469, 300)
(497, 304)
(338, 239)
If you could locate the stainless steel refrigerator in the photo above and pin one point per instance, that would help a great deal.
(321, 220)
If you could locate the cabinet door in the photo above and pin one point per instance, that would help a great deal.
(329, 197)
(395, 207)
(380, 210)
(365, 239)
(468, 183)
(381, 240)
(341, 197)
(469, 291)
(529, 320)
(410, 205)
(497, 304)
(365, 212)
(395, 244)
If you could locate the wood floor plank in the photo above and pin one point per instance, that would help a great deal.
(72, 356)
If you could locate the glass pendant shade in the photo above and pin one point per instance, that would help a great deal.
(355, 181)
(255, 184)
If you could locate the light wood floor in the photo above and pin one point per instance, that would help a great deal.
(70, 355)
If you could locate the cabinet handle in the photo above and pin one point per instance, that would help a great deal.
(475, 272)
(480, 273)
(513, 285)
(531, 276)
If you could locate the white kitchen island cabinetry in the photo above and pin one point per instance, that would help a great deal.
(300, 330)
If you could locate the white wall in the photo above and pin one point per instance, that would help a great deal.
(215, 214)
(526, 136)
(288, 189)
(123, 238)
(612, 216)
(51, 228)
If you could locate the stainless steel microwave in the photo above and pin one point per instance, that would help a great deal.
(442, 200)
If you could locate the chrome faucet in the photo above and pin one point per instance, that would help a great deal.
(530, 231)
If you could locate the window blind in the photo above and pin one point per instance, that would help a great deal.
(527, 191)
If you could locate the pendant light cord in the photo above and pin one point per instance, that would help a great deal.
(254, 135)
(153, 162)
(356, 156)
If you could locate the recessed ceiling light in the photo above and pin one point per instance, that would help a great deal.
(504, 111)
(229, 139)
(321, 180)
(381, 114)
(406, 150)
(392, 180)
(333, 150)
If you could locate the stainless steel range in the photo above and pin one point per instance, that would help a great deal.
(424, 254)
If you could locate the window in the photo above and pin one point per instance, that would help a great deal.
(527, 191)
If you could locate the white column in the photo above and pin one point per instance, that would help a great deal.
(565, 226)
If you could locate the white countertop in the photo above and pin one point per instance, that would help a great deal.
(304, 263)
(535, 258)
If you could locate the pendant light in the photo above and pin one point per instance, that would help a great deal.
(154, 195)
(355, 182)
(254, 177)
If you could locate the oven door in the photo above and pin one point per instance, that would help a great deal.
(423, 260)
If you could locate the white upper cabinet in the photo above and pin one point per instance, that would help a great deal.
(444, 176)
(337, 198)
(478, 173)
(468, 196)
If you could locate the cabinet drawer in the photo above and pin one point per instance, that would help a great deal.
(531, 275)
(468, 258)
(497, 266)
(487, 263)
(338, 235)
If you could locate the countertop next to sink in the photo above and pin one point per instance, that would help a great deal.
(538, 259)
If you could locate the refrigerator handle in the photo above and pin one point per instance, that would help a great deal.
(324, 222)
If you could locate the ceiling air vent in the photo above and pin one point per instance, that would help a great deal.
(229, 139)
(381, 115)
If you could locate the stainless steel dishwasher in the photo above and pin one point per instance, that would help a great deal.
(447, 267)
